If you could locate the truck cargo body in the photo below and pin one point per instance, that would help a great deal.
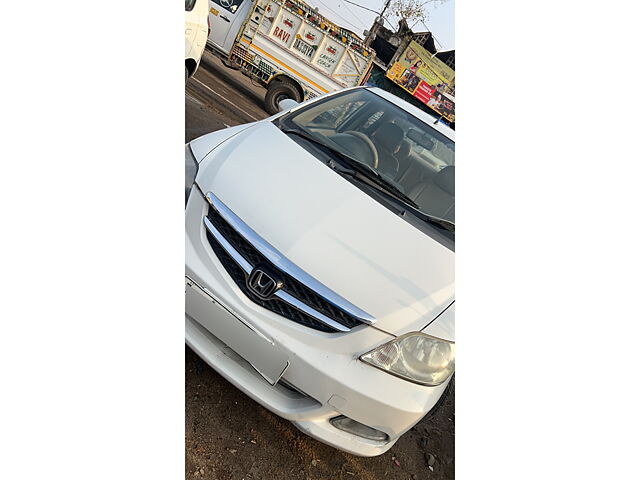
(288, 47)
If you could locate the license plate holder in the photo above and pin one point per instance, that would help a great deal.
(257, 349)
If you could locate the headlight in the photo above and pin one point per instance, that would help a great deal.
(190, 171)
(416, 357)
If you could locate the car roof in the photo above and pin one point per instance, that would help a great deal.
(416, 112)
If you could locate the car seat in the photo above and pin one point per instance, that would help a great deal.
(437, 197)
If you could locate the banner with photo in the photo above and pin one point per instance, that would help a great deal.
(427, 78)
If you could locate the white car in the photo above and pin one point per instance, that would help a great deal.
(196, 31)
(320, 264)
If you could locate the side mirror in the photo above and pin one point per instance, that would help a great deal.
(287, 104)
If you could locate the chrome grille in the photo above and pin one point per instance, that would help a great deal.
(297, 300)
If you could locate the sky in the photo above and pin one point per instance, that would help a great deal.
(440, 20)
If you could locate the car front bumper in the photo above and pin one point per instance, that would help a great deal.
(265, 355)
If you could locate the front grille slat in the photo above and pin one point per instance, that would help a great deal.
(335, 319)
(275, 305)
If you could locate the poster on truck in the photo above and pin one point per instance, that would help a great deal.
(427, 78)
(285, 28)
(330, 53)
(307, 41)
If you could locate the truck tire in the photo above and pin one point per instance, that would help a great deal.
(277, 91)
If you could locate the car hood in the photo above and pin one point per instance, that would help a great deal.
(330, 228)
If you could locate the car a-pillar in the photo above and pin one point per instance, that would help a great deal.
(280, 88)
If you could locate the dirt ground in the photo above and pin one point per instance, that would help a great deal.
(231, 437)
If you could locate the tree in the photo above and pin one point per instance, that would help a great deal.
(412, 11)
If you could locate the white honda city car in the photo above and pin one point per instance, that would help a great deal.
(320, 264)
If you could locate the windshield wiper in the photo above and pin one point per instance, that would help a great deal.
(359, 167)
(441, 222)
(376, 180)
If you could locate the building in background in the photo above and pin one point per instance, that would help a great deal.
(408, 65)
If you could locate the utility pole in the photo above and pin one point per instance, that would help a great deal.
(378, 22)
(386, 5)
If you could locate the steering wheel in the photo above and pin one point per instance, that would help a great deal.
(369, 144)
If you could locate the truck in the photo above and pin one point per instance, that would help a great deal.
(287, 47)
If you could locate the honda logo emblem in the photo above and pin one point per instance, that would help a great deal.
(263, 283)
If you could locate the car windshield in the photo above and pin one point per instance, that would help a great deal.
(408, 153)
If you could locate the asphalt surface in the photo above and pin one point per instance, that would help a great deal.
(228, 436)
(219, 97)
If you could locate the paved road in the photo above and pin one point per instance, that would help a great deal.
(228, 435)
(218, 97)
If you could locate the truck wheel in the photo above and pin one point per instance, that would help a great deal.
(277, 91)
